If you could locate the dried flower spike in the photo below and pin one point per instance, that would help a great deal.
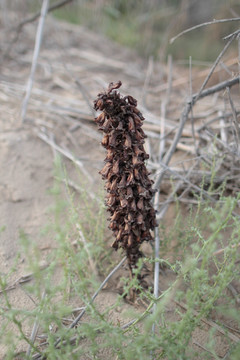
(129, 187)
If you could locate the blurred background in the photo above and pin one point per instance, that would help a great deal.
(147, 25)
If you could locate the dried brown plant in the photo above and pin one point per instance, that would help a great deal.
(127, 179)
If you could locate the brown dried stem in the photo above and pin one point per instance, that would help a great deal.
(129, 187)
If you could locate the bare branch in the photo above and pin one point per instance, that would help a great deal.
(202, 25)
(38, 41)
(216, 88)
(66, 153)
(233, 37)
(235, 120)
(36, 16)
(147, 80)
(184, 117)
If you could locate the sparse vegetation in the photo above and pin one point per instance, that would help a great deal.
(77, 300)
(201, 275)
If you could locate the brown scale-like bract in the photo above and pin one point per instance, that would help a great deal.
(129, 187)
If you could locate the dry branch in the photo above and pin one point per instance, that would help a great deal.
(232, 37)
(202, 25)
(38, 41)
(235, 121)
(36, 16)
(184, 116)
(31, 19)
(66, 153)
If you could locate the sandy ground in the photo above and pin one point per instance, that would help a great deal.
(57, 106)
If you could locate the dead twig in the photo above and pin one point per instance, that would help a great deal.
(216, 88)
(31, 19)
(22, 279)
(233, 37)
(205, 349)
(38, 41)
(147, 80)
(223, 132)
(221, 251)
(165, 161)
(184, 80)
(235, 34)
(156, 197)
(235, 121)
(36, 16)
(34, 330)
(184, 117)
(156, 269)
(85, 245)
(80, 190)
(191, 110)
(202, 25)
(86, 96)
(66, 153)
(234, 293)
(164, 207)
(193, 186)
(164, 105)
(211, 323)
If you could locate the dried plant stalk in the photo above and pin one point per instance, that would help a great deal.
(127, 179)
